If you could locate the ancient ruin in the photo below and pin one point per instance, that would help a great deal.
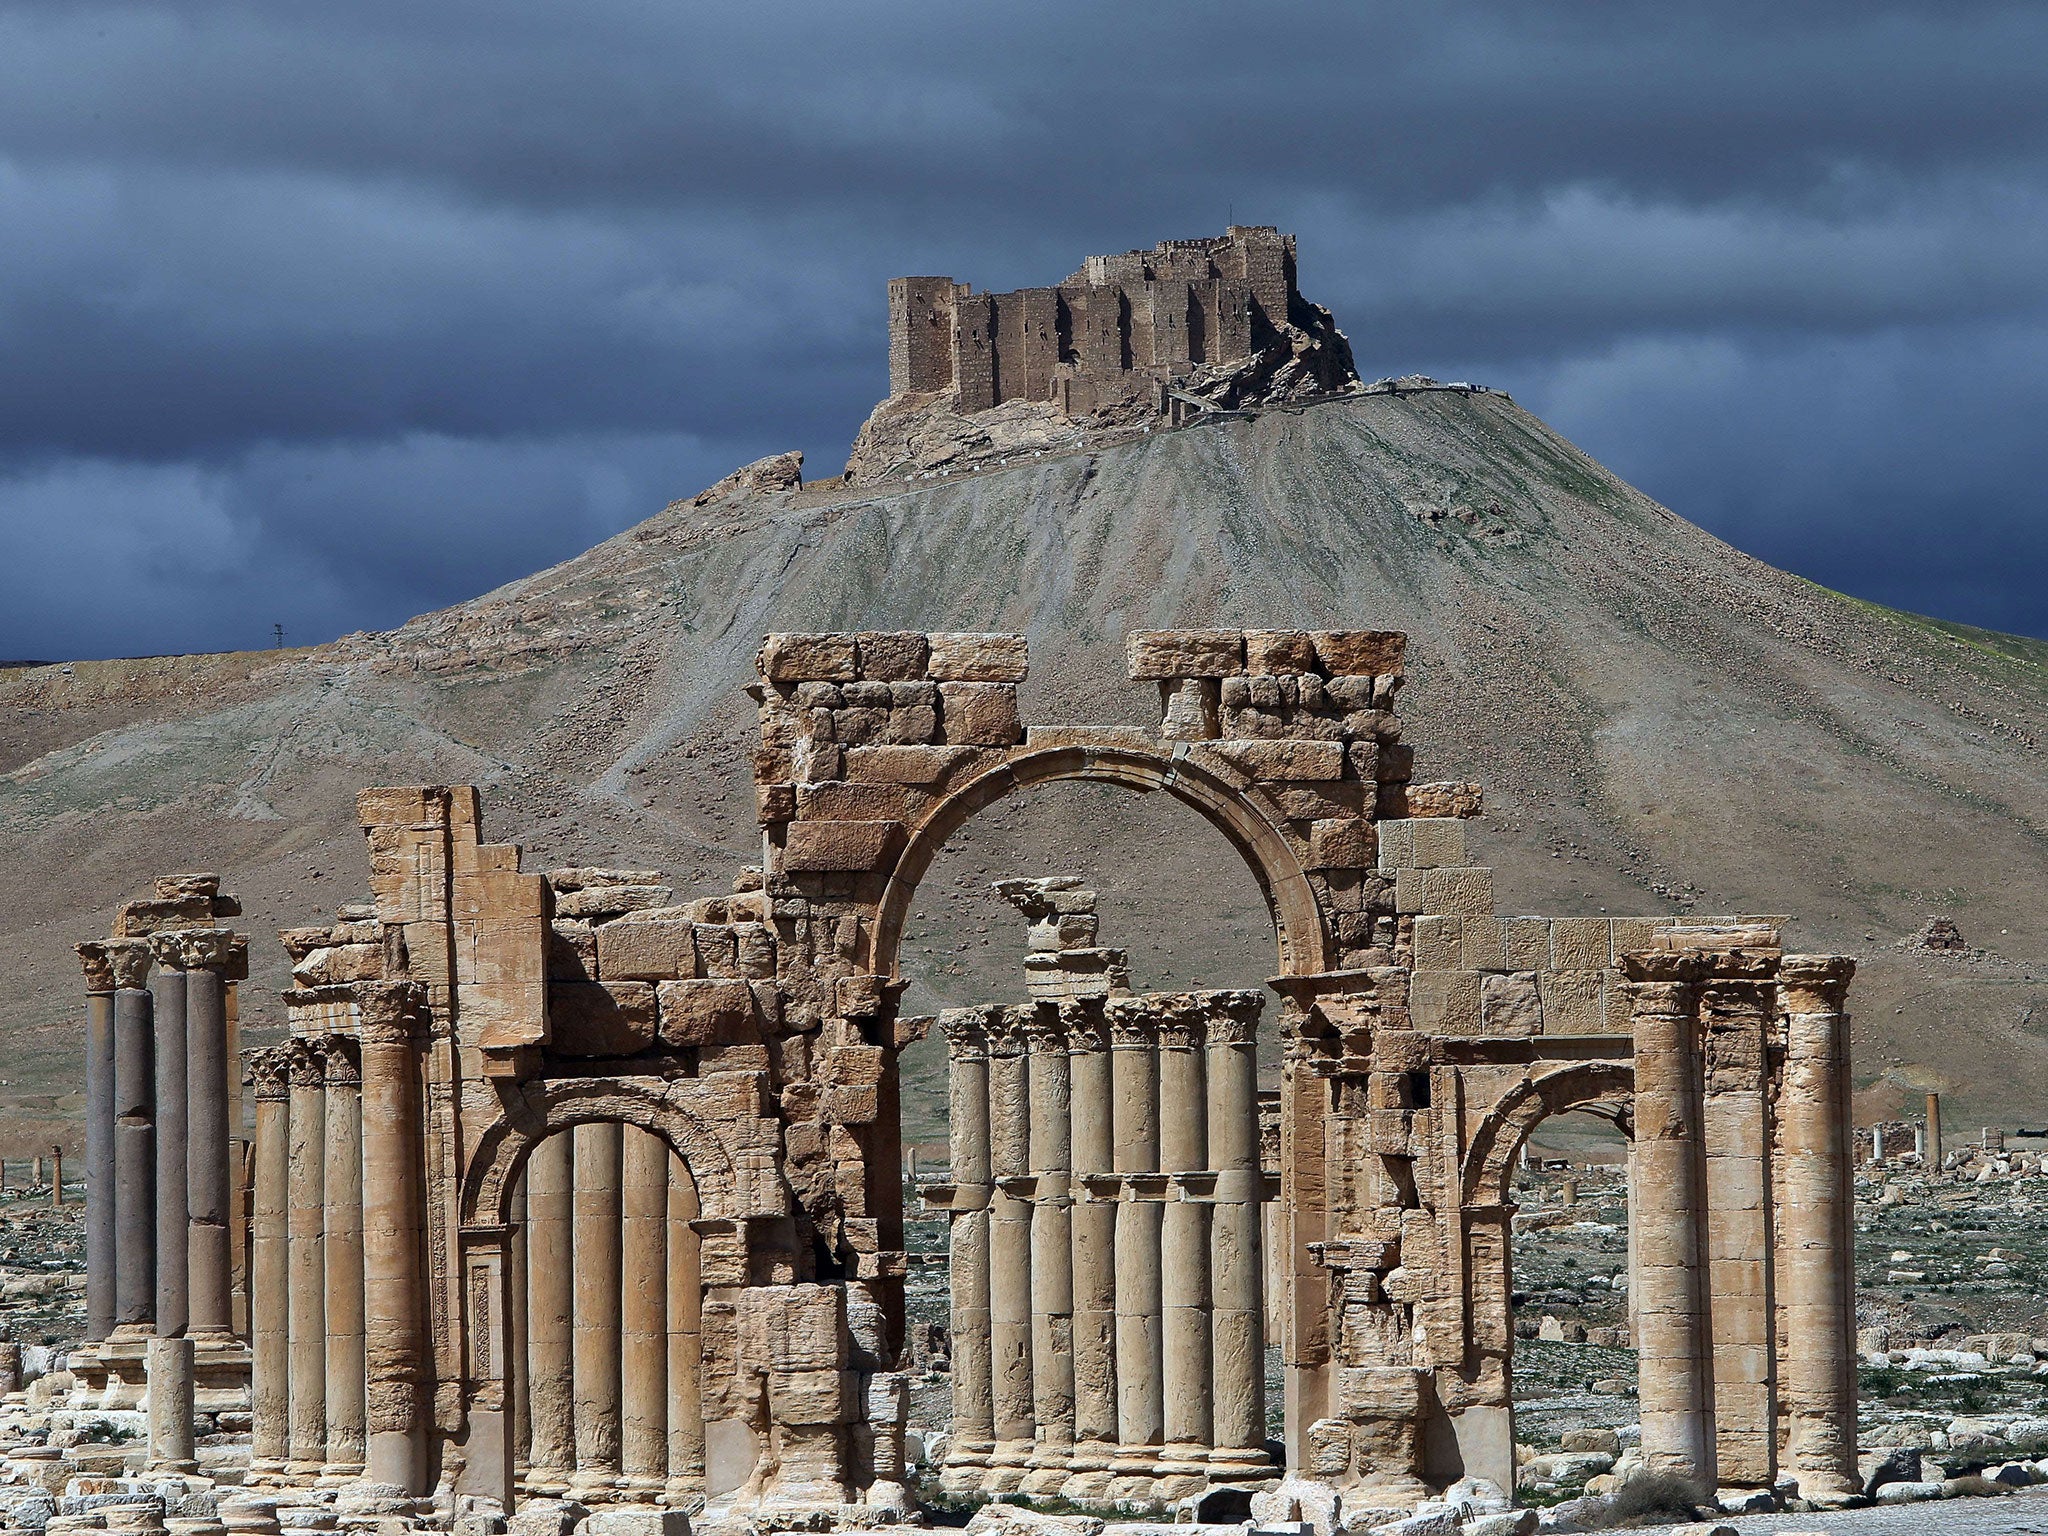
(1146, 336)
(560, 1186)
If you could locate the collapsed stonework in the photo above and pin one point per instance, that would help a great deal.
(496, 1077)
(1149, 335)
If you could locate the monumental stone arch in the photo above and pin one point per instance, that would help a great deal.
(486, 1063)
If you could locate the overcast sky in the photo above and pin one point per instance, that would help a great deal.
(330, 314)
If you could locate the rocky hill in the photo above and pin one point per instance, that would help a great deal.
(1661, 722)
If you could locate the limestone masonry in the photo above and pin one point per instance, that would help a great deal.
(565, 1195)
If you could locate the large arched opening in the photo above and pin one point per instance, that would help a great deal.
(1196, 894)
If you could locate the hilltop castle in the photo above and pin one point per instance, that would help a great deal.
(1122, 331)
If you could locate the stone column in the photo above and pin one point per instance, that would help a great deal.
(1667, 1198)
(1737, 1007)
(173, 1242)
(1140, 1405)
(1009, 1270)
(598, 1152)
(1184, 1242)
(307, 1257)
(1050, 1143)
(269, 1262)
(967, 1140)
(550, 1310)
(172, 1445)
(1818, 1274)
(134, 1137)
(1094, 1223)
(212, 958)
(643, 1331)
(685, 1335)
(347, 1384)
(1930, 1152)
(394, 1174)
(516, 1387)
(99, 1141)
(1237, 1271)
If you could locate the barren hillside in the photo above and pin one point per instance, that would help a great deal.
(1658, 720)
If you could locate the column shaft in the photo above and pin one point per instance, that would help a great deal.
(598, 1153)
(173, 1243)
(1666, 1212)
(269, 1264)
(308, 1260)
(134, 1159)
(550, 1310)
(1238, 1345)
(1094, 1223)
(1737, 1136)
(1050, 1139)
(99, 1165)
(1184, 1237)
(643, 1355)
(516, 1383)
(172, 1445)
(1009, 1272)
(685, 1334)
(1140, 1403)
(210, 1261)
(347, 1407)
(967, 1141)
(394, 1177)
(1820, 1360)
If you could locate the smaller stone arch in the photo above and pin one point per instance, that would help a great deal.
(1490, 1157)
(557, 1104)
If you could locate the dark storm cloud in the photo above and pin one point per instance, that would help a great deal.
(329, 314)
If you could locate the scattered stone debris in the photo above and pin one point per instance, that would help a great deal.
(1941, 935)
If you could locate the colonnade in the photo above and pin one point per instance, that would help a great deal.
(1108, 1306)
(607, 1318)
(159, 1117)
(1740, 1206)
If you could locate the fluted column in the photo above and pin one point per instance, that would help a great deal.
(1009, 1281)
(134, 1137)
(394, 1175)
(685, 1335)
(1737, 1006)
(99, 1141)
(307, 1257)
(967, 1141)
(173, 1242)
(550, 1311)
(213, 958)
(1184, 1241)
(1094, 1226)
(1052, 1247)
(643, 1333)
(1236, 1270)
(269, 1262)
(1667, 1210)
(1140, 1402)
(347, 1408)
(1818, 1186)
(598, 1153)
